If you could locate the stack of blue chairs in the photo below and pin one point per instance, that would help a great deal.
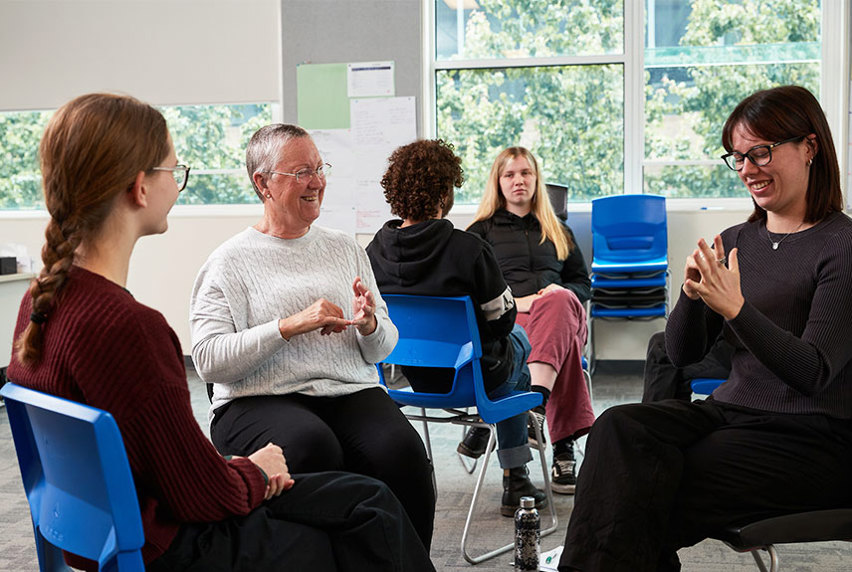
(629, 257)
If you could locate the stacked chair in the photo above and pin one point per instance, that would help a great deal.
(629, 259)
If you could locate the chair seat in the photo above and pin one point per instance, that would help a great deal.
(705, 385)
(602, 265)
(515, 403)
(814, 526)
(657, 281)
(658, 311)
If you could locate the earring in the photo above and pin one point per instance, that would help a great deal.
(268, 195)
(810, 161)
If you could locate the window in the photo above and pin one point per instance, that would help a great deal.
(211, 139)
(561, 79)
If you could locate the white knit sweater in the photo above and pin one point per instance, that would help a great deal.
(249, 283)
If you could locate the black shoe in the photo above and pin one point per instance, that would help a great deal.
(518, 485)
(563, 479)
(474, 443)
(538, 411)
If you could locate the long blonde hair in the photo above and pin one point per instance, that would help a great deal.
(493, 200)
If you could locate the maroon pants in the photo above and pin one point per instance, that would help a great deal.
(556, 326)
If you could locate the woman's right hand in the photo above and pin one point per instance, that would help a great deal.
(321, 315)
(271, 460)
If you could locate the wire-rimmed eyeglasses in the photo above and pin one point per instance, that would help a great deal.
(179, 172)
(321, 173)
(759, 155)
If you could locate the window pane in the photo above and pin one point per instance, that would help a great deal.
(570, 117)
(470, 29)
(214, 138)
(20, 177)
(700, 61)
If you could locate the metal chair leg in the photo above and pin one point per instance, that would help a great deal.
(773, 558)
(554, 519)
(467, 464)
(428, 442)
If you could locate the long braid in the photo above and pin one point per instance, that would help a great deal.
(91, 151)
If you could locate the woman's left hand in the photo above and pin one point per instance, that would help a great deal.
(363, 308)
(719, 285)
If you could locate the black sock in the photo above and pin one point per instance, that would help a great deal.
(563, 446)
(545, 393)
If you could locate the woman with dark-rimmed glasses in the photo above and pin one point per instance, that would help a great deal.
(776, 438)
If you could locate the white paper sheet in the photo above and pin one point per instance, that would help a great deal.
(370, 79)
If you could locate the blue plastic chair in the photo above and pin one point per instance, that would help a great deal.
(442, 332)
(77, 480)
(705, 385)
(629, 234)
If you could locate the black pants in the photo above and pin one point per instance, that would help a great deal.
(664, 380)
(661, 476)
(363, 433)
(326, 522)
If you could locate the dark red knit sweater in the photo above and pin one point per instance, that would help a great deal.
(105, 349)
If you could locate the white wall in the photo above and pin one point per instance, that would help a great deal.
(163, 267)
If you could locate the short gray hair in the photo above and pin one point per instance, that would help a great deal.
(264, 148)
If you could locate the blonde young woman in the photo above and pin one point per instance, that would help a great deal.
(110, 177)
(547, 273)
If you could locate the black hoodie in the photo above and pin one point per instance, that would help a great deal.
(434, 259)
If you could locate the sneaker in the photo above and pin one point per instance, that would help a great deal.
(563, 479)
(474, 443)
(518, 485)
(538, 411)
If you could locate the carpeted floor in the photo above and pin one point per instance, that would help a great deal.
(611, 385)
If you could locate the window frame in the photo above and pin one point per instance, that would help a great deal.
(834, 91)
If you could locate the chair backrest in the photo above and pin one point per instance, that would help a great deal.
(558, 195)
(629, 227)
(77, 480)
(442, 332)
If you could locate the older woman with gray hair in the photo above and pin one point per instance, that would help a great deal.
(287, 324)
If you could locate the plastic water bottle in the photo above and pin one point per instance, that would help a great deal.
(527, 536)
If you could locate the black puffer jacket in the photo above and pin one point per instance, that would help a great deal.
(527, 265)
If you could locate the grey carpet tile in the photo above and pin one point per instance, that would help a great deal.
(455, 489)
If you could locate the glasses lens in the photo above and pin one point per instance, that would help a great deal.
(324, 170)
(733, 162)
(180, 177)
(761, 155)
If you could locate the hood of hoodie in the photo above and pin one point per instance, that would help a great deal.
(409, 254)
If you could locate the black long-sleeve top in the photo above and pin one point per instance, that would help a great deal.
(527, 264)
(793, 335)
(432, 258)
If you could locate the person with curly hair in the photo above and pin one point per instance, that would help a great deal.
(421, 253)
(545, 268)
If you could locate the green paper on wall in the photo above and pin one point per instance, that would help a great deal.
(321, 96)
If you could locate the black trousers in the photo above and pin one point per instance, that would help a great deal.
(326, 522)
(661, 476)
(664, 380)
(363, 433)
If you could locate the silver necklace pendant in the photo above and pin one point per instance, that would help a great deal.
(776, 243)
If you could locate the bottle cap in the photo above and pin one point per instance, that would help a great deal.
(527, 502)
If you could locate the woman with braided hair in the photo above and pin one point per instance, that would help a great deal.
(110, 177)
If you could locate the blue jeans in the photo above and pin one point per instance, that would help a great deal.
(512, 448)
